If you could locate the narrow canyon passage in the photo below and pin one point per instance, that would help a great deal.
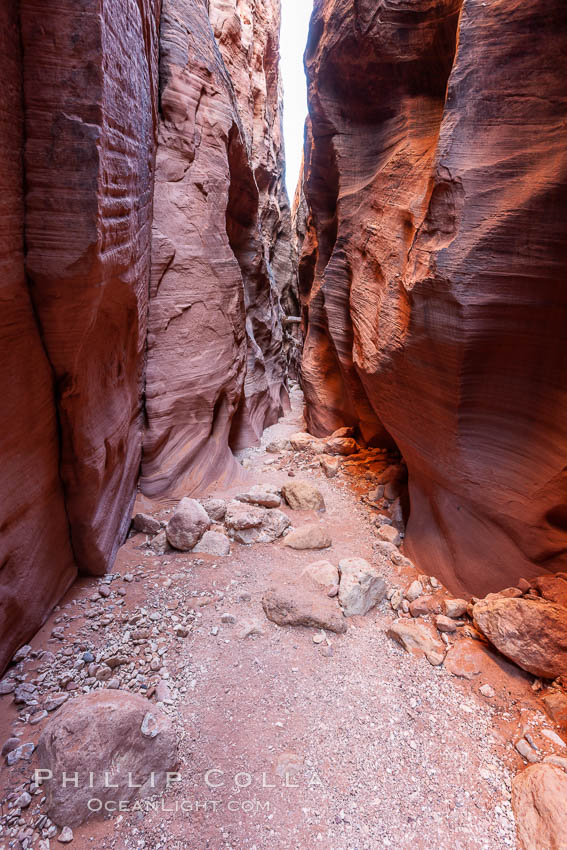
(283, 524)
(348, 742)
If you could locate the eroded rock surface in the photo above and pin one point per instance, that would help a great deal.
(74, 258)
(118, 739)
(215, 366)
(532, 634)
(83, 311)
(433, 263)
(297, 605)
(538, 800)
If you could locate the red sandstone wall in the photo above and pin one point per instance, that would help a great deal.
(215, 367)
(36, 563)
(433, 269)
(79, 85)
(90, 92)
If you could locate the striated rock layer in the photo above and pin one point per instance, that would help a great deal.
(221, 261)
(89, 158)
(36, 562)
(80, 87)
(433, 266)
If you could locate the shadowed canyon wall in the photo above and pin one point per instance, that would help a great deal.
(222, 253)
(89, 297)
(78, 144)
(433, 267)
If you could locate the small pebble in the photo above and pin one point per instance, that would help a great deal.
(66, 835)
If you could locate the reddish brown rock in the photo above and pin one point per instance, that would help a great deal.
(538, 801)
(466, 658)
(473, 660)
(215, 369)
(118, 745)
(553, 588)
(532, 634)
(426, 605)
(433, 263)
(418, 638)
(298, 605)
(556, 706)
(247, 33)
(74, 360)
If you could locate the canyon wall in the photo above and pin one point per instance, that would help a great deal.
(36, 562)
(77, 147)
(222, 264)
(433, 267)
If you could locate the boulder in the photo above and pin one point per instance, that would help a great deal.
(341, 446)
(445, 624)
(303, 496)
(104, 732)
(265, 496)
(274, 524)
(213, 543)
(418, 638)
(556, 706)
(455, 608)
(423, 606)
(309, 537)
(389, 534)
(187, 525)
(322, 574)
(394, 472)
(539, 796)
(533, 634)
(330, 466)
(414, 591)
(146, 524)
(552, 588)
(244, 522)
(361, 586)
(277, 446)
(294, 605)
(159, 544)
(345, 431)
(466, 659)
(215, 508)
(302, 442)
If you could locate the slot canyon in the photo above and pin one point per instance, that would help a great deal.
(283, 552)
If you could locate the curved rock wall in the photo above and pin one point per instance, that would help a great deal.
(433, 266)
(89, 161)
(221, 255)
(36, 562)
(77, 145)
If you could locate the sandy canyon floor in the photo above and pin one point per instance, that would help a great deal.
(346, 744)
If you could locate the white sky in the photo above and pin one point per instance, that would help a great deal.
(295, 25)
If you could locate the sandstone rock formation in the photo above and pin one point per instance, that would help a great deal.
(297, 605)
(533, 634)
(118, 745)
(538, 800)
(215, 367)
(75, 240)
(90, 142)
(433, 264)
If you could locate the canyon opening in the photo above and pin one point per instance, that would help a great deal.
(283, 531)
